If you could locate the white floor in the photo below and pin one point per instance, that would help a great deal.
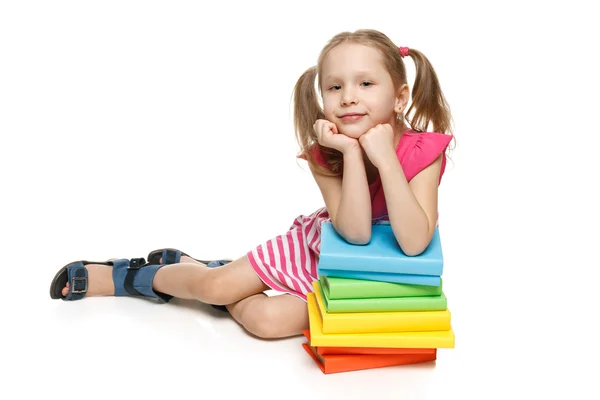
(123, 348)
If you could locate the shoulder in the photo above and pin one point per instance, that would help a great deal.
(417, 150)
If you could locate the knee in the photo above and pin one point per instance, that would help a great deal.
(210, 287)
(262, 320)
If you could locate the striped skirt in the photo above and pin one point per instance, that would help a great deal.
(288, 263)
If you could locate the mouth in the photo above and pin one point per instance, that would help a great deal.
(351, 117)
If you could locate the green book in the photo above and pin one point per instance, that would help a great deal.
(345, 288)
(381, 304)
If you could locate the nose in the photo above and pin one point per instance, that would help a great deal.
(348, 97)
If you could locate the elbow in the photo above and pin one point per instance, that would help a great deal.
(413, 252)
(359, 240)
(353, 233)
(413, 248)
(359, 237)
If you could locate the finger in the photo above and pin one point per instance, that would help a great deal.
(320, 131)
(317, 131)
(334, 128)
(325, 127)
(317, 124)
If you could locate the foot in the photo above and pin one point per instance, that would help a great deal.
(100, 281)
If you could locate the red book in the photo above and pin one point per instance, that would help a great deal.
(335, 363)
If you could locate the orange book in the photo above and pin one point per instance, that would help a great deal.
(328, 350)
(335, 363)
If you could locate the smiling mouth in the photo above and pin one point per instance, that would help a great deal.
(351, 117)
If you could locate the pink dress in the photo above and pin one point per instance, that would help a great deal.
(288, 262)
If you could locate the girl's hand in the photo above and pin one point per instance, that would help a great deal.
(328, 136)
(378, 143)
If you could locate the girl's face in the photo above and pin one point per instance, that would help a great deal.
(358, 92)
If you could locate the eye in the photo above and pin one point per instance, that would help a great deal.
(335, 87)
(367, 83)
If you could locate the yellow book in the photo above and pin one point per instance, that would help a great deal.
(422, 340)
(376, 322)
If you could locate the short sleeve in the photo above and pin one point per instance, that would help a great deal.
(317, 156)
(424, 150)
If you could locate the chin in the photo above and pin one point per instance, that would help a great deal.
(354, 132)
(353, 135)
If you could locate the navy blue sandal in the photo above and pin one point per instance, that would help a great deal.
(131, 278)
(173, 256)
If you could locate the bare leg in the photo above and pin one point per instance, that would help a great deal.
(271, 317)
(189, 280)
(235, 285)
(221, 285)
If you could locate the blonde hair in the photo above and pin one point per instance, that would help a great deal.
(429, 107)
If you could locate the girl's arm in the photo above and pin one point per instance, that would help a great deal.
(347, 199)
(412, 207)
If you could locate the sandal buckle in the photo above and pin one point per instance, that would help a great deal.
(79, 284)
(136, 263)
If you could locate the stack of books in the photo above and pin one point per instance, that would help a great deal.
(373, 306)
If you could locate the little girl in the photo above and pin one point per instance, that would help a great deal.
(372, 159)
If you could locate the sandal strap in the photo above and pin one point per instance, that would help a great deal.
(217, 263)
(78, 281)
(171, 256)
(120, 272)
(134, 278)
(132, 268)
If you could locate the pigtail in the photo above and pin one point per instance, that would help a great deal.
(428, 102)
(306, 112)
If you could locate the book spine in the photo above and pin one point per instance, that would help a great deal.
(432, 339)
(421, 321)
(439, 340)
(362, 289)
(390, 265)
(435, 303)
(428, 280)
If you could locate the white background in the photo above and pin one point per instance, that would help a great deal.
(128, 126)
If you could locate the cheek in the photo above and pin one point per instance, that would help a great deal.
(328, 105)
(385, 106)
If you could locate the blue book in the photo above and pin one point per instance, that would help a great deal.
(425, 280)
(381, 255)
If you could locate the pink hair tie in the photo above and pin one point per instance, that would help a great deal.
(403, 51)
